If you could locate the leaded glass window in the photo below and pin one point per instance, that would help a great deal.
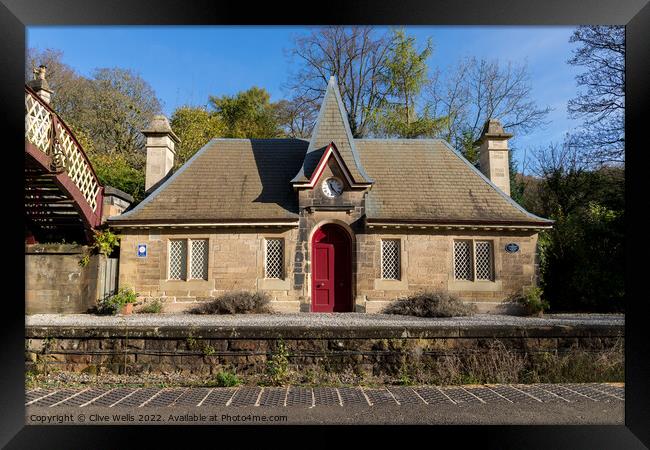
(473, 260)
(274, 258)
(390, 259)
(178, 259)
(199, 259)
(463, 260)
(483, 252)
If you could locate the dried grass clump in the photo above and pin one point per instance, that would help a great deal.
(430, 304)
(236, 303)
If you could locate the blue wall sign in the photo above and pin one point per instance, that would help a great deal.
(142, 250)
(512, 247)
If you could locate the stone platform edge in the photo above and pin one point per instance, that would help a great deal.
(298, 332)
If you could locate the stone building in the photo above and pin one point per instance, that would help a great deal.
(327, 224)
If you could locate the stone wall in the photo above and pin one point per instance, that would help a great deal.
(427, 262)
(209, 350)
(56, 283)
(235, 262)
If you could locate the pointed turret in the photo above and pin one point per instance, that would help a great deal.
(332, 127)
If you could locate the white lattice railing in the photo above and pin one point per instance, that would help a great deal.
(47, 132)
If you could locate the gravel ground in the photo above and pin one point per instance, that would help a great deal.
(316, 320)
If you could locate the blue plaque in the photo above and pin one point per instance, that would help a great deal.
(142, 250)
(512, 247)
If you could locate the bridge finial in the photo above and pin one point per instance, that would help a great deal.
(39, 84)
(42, 69)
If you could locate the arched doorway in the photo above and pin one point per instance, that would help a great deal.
(331, 269)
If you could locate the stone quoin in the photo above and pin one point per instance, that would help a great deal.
(329, 224)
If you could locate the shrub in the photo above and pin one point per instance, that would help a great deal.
(532, 301)
(152, 307)
(104, 242)
(227, 379)
(236, 303)
(112, 304)
(430, 304)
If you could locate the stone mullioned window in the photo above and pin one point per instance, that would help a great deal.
(193, 262)
(473, 260)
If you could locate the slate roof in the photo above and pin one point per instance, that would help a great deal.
(234, 180)
(425, 180)
(416, 180)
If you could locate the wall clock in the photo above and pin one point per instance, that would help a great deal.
(332, 187)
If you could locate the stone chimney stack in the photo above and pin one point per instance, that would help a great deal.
(160, 145)
(39, 84)
(495, 155)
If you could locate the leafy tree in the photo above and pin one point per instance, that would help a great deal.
(106, 113)
(247, 114)
(116, 170)
(601, 101)
(67, 85)
(517, 184)
(69, 88)
(405, 76)
(194, 126)
(355, 56)
(118, 104)
(582, 258)
(109, 108)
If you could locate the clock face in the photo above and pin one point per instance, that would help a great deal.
(332, 187)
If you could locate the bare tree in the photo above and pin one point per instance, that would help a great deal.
(296, 117)
(566, 186)
(355, 56)
(601, 102)
(477, 90)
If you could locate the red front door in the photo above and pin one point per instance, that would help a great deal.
(323, 278)
(331, 270)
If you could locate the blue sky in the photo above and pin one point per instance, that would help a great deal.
(185, 64)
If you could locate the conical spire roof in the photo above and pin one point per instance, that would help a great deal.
(332, 127)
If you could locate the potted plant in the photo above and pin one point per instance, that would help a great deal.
(126, 309)
(120, 303)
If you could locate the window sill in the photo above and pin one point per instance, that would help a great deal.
(475, 286)
(186, 284)
(273, 284)
(173, 280)
(382, 284)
